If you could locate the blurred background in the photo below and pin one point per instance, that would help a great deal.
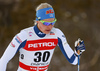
(76, 18)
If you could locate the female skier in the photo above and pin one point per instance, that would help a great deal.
(36, 44)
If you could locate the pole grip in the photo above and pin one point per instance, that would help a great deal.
(78, 50)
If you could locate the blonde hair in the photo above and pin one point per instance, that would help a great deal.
(41, 6)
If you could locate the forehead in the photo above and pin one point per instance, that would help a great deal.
(50, 19)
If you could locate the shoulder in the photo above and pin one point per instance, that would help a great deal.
(23, 34)
(59, 34)
(27, 29)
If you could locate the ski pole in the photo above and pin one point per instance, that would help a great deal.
(78, 60)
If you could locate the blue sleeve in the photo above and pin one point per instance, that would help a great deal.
(71, 60)
(21, 45)
(65, 48)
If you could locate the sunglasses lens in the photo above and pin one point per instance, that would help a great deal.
(46, 23)
(52, 23)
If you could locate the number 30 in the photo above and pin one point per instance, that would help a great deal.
(45, 57)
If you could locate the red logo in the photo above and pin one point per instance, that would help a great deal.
(30, 33)
(12, 44)
(43, 44)
(33, 68)
(49, 11)
(51, 33)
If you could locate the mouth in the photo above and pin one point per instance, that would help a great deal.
(48, 30)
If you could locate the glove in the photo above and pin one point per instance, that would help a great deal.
(79, 47)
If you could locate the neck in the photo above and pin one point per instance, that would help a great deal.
(38, 32)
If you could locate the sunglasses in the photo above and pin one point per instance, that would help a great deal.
(48, 23)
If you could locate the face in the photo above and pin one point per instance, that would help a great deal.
(43, 28)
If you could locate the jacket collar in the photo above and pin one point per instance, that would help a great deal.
(38, 32)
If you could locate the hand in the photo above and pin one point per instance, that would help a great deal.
(79, 47)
